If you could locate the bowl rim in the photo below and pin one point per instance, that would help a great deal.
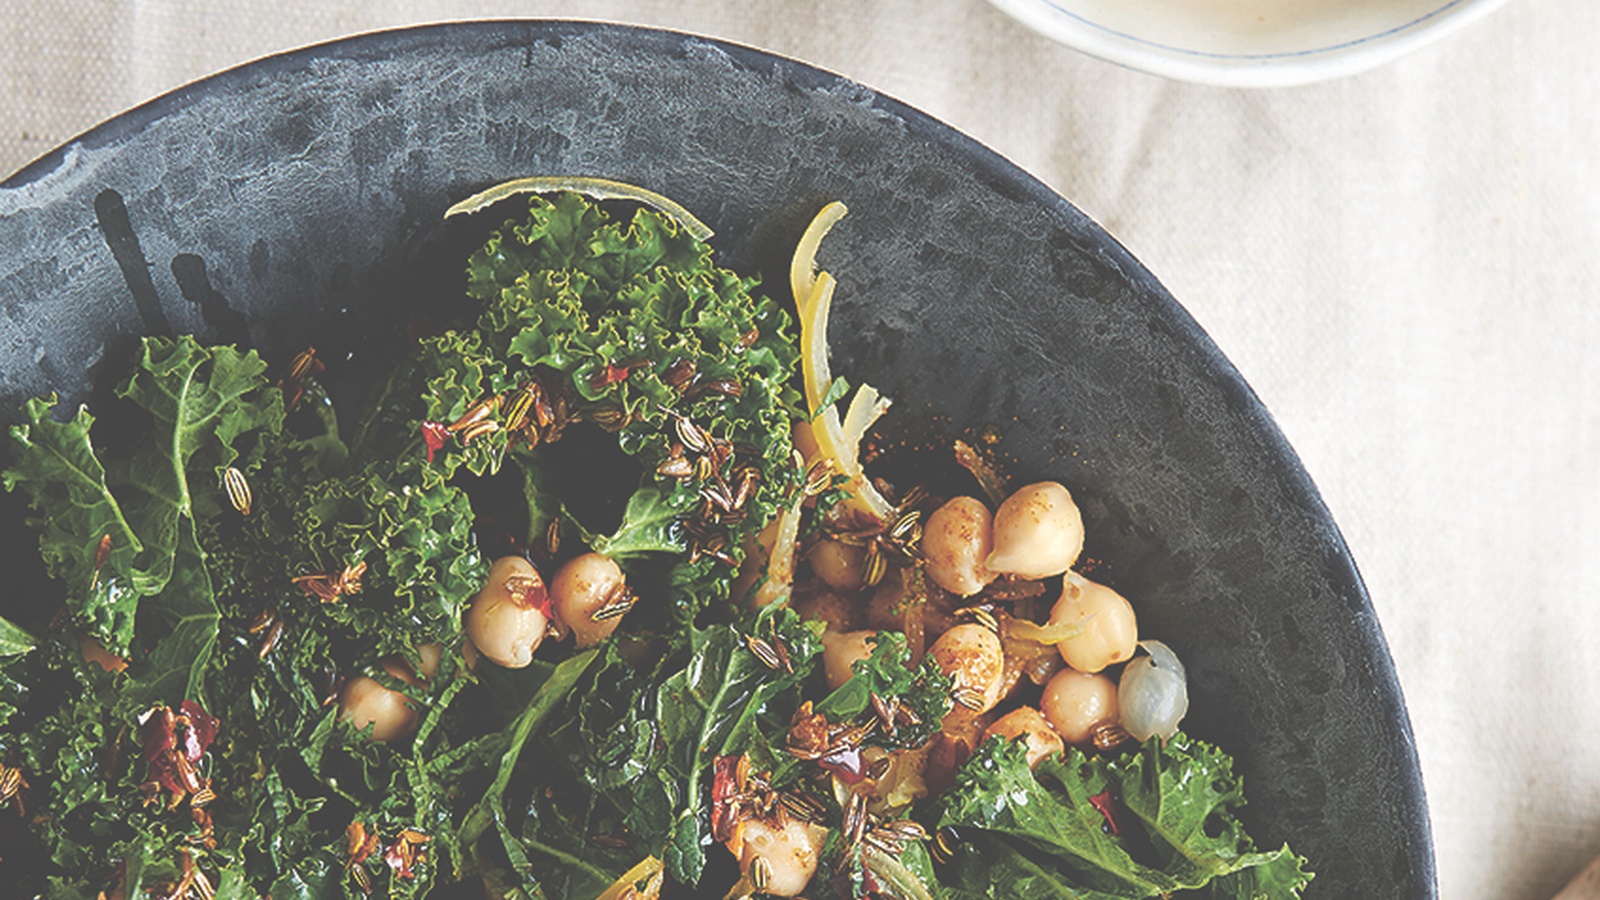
(1245, 70)
(1002, 175)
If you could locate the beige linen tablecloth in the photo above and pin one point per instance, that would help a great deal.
(1403, 264)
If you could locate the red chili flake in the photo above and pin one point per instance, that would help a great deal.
(434, 435)
(172, 744)
(845, 763)
(1105, 804)
(613, 373)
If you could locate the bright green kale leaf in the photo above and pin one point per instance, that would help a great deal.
(1181, 795)
(629, 324)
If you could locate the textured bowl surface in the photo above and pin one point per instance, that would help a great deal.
(298, 200)
(1247, 43)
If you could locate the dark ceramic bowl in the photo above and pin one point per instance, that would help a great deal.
(298, 200)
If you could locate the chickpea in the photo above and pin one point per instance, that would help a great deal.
(791, 853)
(429, 655)
(506, 620)
(974, 659)
(1038, 532)
(1075, 703)
(1027, 722)
(841, 566)
(583, 586)
(956, 540)
(363, 701)
(840, 652)
(832, 610)
(1109, 629)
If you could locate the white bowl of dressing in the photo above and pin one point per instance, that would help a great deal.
(1247, 43)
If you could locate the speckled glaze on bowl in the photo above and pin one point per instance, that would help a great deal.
(298, 200)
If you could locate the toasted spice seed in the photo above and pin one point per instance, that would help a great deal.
(362, 879)
(760, 872)
(552, 537)
(303, 364)
(612, 841)
(764, 652)
(876, 565)
(884, 709)
(748, 338)
(478, 429)
(800, 806)
(879, 768)
(238, 489)
(1107, 735)
(692, 435)
(476, 414)
(272, 639)
(855, 818)
(616, 607)
(521, 401)
(945, 842)
(704, 468)
(970, 697)
(818, 477)
(981, 616)
(905, 525)
(263, 620)
(611, 418)
(202, 797)
(679, 374)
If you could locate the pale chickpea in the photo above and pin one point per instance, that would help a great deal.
(1038, 532)
(506, 620)
(583, 586)
(956, 540)
(1030, 724)
(790, 852)
(840, 651)
(1108, 631)
(1076, 703)
(428, 655)
(363, 701)
(839, 565)
(975, 661)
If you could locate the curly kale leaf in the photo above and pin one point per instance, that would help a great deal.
(1174, 804)
(631, 323)
(923, 690)
(655, 723)
(200, 403)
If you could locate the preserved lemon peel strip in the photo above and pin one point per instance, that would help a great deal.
(832, 443)
(647, 870)
(595, 188)
(780, 562)
(866, 407)
(803, 270)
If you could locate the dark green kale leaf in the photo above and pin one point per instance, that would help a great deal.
(200, 402)
(1180, 795)
(923, 690)
(653, 720)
